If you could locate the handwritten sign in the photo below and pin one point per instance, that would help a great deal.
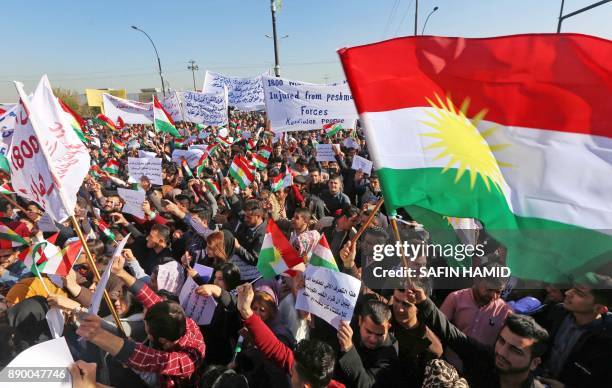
(197, 307)
(192, 156)
(149, 167)
(296, 106)
(325, 153)
(328, 294)
(96, 299)
(245, 94)
(146, 154)
(360, 163)
(131, 112)
(205, 108)
(170, 277)
(247, 271)
(172, 106)
(133, 201)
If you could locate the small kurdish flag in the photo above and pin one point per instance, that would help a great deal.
(46, 257)
(111, 166)
(10, 238)
(6, 189)
(162, 121)
(331, 129)
(105, 230)
(251, 144)
(118, 145)
(76, 122)
(224, 142)
(259, 161)
(276, 255)
(241, 172)
(180, 142)
(105, 121)
(265, 151)
(322, 256)
(188, 171)
(212, 186)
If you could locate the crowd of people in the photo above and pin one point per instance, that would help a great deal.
(413, 333)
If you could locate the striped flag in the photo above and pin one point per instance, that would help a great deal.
(162, 121)
(10, 238)
(76, 122)
(224, 142)
(186, 168)
(212, 186)
(118, 145)
(251, 144)
(493, 129)
(265, 151)
(331, 129)
(259, 161)
(180, 142)
(241, 172)
(322, 256)
(45, 257)
(6, 189)
(276, 255)
(105, 121)
(105, 229)
(111, 166)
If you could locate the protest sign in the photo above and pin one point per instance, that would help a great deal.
(325, 153)
(131, 112)
(96, 299)
(133, 201)
(244, 94)
(197, 307)
(247, 271)
(149, 167)
(48, 160)
(296, 106)
(360, 163)
(7, 126)
(205, 108)
(192, 156)
(328, 294)
(146, 154)
(172, 106)
(170, 276)
(350, 143)
(204, 271)
(53, 355)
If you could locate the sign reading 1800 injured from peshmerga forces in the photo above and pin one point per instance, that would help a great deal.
(299, 106)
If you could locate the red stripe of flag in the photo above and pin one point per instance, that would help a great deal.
(547, 81)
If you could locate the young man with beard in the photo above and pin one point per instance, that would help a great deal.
(510, 363)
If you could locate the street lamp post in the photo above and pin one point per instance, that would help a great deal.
(158, 61)
(581, 10)
(193, 67)
(416, 16)
(427, 19)
(276, 64)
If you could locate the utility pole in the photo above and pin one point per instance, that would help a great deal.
(193, 67)
(275, 37)
(416, 16)
(581, 10)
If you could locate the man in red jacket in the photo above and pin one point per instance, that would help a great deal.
(312, 363)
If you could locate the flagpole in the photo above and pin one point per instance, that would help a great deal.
(94, 269)
(368, 221)
(397, 238)
(26, 103)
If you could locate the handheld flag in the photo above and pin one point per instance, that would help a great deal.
(276, 255)
(322, 256)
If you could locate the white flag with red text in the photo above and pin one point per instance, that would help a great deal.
(48, 161)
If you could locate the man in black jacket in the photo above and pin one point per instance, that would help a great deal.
(510, 363)
(368, 358)
(251, 232)
(581, 332)
(156, 250)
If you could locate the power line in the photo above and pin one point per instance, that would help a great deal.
(391, 15)
(401, 23)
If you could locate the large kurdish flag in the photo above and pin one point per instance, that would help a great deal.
(514, 131)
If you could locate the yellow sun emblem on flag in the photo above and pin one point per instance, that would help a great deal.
(459, 138)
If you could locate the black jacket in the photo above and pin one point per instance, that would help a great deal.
(589, 363)
(361, 367)
(478, 359)
(250, 242)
